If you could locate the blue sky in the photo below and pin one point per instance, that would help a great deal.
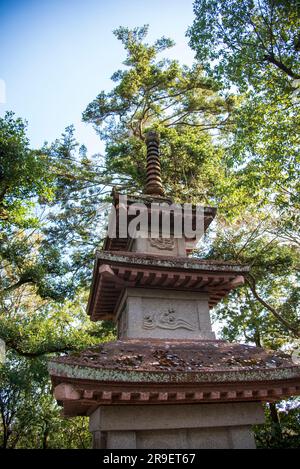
(56, 56)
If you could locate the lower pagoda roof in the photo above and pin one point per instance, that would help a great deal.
(114, 271)
(136, 371)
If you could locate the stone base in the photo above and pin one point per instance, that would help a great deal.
(198, 426)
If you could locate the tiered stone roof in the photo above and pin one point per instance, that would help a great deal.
(170, 371)
(160, 371)
(114, 271)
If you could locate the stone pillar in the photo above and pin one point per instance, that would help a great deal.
(163, 314)
(198, 426)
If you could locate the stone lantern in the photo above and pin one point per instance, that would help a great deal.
(166, 382)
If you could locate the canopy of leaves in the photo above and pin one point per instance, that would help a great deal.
(248, 41)
(23, 173)
(253, 45)
(46, 253)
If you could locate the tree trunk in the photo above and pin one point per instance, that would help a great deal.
(45, 437)
(275, 420)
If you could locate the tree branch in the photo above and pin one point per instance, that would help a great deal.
(250, 280)
(272, 60)
(18, 284)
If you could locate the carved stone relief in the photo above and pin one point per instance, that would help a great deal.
(166, 320)
(166, 244)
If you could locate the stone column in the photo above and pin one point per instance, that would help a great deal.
(204, 426)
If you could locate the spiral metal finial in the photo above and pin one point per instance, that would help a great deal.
(153, 184)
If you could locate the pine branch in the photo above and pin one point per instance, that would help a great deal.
(13, 345)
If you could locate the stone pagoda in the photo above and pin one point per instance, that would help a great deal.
(166, 382)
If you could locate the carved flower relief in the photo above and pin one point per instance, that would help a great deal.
(166, 320)
(166, 244)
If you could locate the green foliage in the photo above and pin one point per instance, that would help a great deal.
(53, 251)
(252, 47)
(274, 266)
(33, 327)
(46, 251)
(23, 174)
(248, 41)
(30, 416)
(283, 434)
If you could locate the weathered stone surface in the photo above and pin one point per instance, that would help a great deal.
(180, 426)
(120, 440)
(158, 246)
(115, 271)
(125, 244)
(192, 361)
(153, 184)
(65, 391)
(161, 314)
(190, 438)
(152, 417)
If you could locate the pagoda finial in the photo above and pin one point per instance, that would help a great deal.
(153, 184)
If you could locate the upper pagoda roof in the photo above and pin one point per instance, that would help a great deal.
(117, 243)
(114, 271)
